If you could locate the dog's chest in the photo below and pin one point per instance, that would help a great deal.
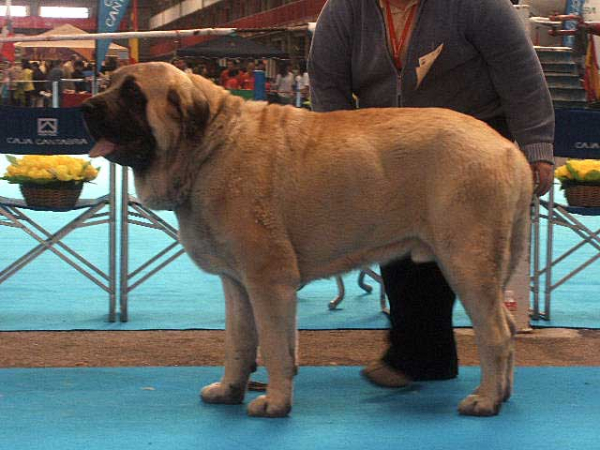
(201, 244)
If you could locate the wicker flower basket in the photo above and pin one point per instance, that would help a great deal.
(62, 195)
(583, 195)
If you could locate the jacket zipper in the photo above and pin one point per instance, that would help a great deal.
(400, 74)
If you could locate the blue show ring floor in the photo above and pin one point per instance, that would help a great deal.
(141, 408)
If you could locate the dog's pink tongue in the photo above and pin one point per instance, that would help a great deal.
(102, 148)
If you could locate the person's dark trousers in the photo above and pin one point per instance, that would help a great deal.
(421, 336)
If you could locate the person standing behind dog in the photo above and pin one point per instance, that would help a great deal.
(14, 74)
(225, 73)
(54, 80)
(77, 74)
(247, 78)
(284, 84)
(470, 56)
(68, 67)
(26, 86)
(182, 65)
(39, 79)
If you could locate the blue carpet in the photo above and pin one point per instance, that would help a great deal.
(50, 295)
(142, 408)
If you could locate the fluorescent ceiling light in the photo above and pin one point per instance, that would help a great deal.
(64, 12)
(15, 11)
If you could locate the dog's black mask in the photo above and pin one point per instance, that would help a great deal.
(119, 116)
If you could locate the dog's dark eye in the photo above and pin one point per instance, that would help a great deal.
(130, 89)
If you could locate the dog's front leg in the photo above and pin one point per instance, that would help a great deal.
(240, 347)
(275, 314)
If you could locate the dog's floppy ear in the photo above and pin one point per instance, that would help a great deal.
(194, 112)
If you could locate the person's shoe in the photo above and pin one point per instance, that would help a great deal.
(380, 374)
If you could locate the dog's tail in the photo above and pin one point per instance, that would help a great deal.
(519, 234)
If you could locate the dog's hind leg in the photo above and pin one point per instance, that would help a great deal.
(483, 303)
(274, 304)
(495, 351)
(476, 273)
(240, 347)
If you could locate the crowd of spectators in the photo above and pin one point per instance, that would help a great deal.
(283, 87)
(33, 83)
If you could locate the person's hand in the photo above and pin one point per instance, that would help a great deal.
(543, 177)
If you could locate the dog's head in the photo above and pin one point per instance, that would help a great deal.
(146, 116)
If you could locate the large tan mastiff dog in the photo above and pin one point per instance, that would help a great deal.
(270, 197)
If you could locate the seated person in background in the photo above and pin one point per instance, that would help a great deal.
(232, 82)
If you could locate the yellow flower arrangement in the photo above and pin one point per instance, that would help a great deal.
(49, 169)
(579, 172)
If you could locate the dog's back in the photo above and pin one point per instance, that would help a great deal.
(394, 175)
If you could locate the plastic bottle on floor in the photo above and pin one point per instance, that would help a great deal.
(510, 302)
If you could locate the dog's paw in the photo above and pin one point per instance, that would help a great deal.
(264, 407)
(478, 405)
(225, 394)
